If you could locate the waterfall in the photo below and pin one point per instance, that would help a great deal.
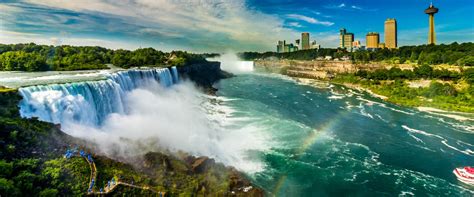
(175, 74)
(90, 102)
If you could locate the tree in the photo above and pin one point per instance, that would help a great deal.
(424, 71)
(469, 75)
(48, 192)
(468, 61)
(7, 187)
(6, 168)
(22, 61)
(439, 89)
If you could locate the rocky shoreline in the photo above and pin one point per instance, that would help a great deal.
(337, 71)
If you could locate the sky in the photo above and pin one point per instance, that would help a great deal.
(225, 25)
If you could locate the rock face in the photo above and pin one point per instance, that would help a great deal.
(201, 164)
(238, 184)
(318, 69)
(203, 74)
(156, 160)
(309, 69)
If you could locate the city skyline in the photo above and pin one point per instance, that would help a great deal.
(216, 26)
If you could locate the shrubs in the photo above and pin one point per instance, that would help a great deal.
(439, 89)
(443, 95)
(469, 75)
(420, 72)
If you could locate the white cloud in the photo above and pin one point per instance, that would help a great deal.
(309, 19)
(215, 24)
(343, 6)
(294, 24)
(11, 37)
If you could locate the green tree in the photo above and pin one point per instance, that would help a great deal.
(423, 71)
(6, 169)
(7, 187)
(468, 75)
(49, 192)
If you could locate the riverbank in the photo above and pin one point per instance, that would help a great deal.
(399, 92)
(448, 95)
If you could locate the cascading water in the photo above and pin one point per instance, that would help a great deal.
(89, 103)
(175, 74)
(133, 112)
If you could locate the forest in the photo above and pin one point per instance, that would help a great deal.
(32, 57)
(453, 54)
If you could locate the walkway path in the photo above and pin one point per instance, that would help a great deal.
(112, 184)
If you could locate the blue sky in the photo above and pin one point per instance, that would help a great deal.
(224, 25)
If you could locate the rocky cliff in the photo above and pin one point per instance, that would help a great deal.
(203, 74)
(318, 69)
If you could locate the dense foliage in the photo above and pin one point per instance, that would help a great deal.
(455, 54)
(24, 147)
(297, 55)
(20, 60)
(419, 72)
(32, 57)
(447, 90)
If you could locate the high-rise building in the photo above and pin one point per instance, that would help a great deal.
(381, 45)
(431, 33)
(346, 39)
(315, 45)
(305, 41)
(281, 46)
(287, 48)
(356, 43)
(391, 33)
(372, 40)
(290, 48)
(341, 37)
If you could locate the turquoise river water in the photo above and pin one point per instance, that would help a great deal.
(327, 140)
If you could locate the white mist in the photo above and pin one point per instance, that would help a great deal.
(177, 118)
(233, 64)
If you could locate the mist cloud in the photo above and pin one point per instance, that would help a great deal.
(230, 62)
(179, 118)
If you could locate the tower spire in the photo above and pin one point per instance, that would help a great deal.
(431, 11)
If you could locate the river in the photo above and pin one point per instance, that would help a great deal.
(327, 140)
